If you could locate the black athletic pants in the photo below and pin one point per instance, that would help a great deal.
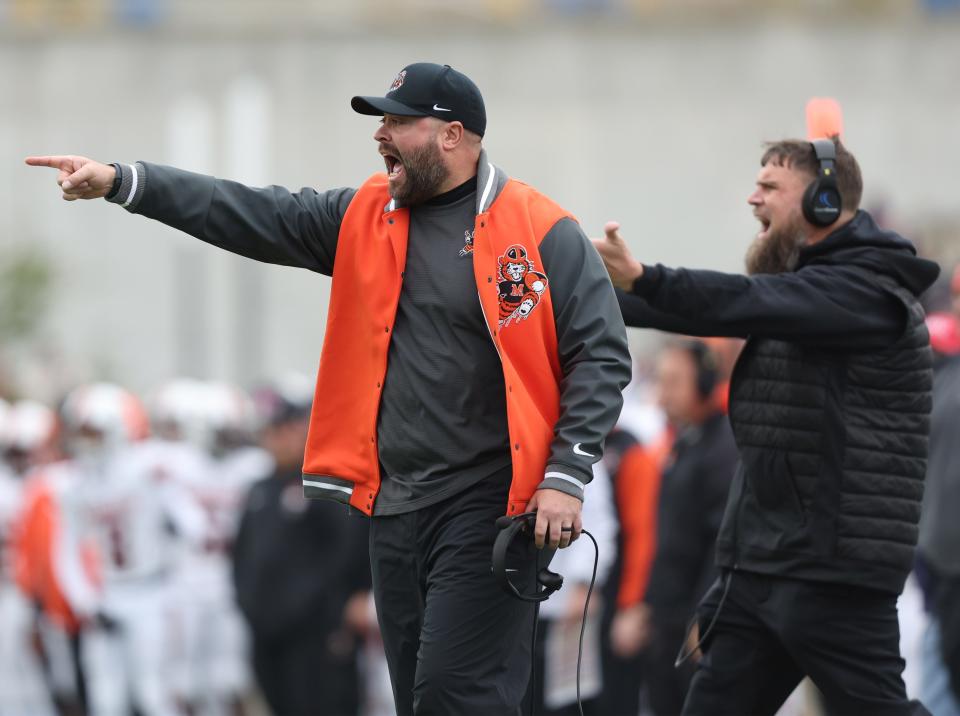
(456, 644)
(772, 631)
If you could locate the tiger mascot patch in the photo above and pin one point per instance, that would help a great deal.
(519, 286)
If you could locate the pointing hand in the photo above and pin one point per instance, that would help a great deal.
(78, 177)
(622, 267)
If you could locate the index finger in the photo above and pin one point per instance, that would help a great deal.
(56, 161)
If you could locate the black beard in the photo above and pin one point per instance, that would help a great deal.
(779, 252)
(424, 173)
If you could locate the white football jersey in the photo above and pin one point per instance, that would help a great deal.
(133, 511)
(220, 490)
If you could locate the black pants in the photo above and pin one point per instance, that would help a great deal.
(455, 642)
(772, 631)
(301, 675)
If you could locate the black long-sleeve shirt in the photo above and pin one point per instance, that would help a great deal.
(830, 300)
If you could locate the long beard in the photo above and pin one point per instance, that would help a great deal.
(778, 252)
(424, 174)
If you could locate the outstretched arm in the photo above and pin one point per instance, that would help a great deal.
(270, 224)
(829, 305)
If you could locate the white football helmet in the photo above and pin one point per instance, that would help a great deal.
(230, 416)
(177, 413)
(30, 435)
(101, 418)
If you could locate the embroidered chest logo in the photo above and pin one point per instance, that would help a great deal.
(467, 243)
(519, 286)
(398, 82)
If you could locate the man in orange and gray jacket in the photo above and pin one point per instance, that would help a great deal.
(472, 367)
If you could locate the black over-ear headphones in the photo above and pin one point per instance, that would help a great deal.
(821, 201)
(706, 364)
(509, 529)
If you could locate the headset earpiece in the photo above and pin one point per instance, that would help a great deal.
(821, 201)
(550, 580)
(706, 365)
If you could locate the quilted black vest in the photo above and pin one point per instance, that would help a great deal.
(833, 447)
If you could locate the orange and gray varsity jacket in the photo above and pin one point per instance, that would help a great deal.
(558, 331)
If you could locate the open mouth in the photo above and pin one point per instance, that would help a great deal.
(394, 165)
(764, 227)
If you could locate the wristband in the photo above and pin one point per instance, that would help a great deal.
(117, 181)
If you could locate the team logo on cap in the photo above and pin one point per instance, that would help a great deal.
(398, 82)
(519, 287)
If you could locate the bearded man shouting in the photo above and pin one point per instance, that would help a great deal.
(829, 404)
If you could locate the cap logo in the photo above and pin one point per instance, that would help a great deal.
(398, 82)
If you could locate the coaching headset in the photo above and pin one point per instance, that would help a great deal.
(510, 528)
(821, 201)
(521, 527)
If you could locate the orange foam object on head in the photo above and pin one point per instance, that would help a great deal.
(824, 118)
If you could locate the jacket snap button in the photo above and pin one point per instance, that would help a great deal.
(386, 329)
(516, 446)
(378, 385)
(389, 221)
(489, 279)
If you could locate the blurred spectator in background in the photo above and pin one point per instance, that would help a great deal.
(301, 572)
(938, 558)
(944, 326)
(693, 491)
(635, 470)
(726, 351)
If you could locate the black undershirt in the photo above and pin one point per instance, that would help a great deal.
(455, 194)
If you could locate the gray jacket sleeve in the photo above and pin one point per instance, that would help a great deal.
(592, 345)
(271, 224)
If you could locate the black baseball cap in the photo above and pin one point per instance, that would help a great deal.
(426, 89)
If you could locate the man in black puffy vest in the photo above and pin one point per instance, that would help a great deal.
(830, 407)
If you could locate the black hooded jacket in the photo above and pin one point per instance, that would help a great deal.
(829, 402)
